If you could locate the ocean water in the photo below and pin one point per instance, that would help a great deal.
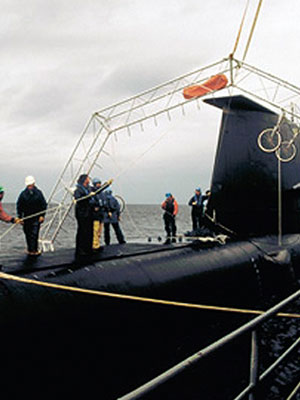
(141, 223)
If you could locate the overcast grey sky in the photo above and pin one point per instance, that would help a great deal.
(62, 60)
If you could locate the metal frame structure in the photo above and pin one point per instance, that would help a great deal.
(151, 105)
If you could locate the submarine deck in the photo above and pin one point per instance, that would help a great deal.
(20, 263)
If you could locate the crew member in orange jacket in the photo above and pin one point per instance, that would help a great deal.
(171, 209)
(3, 215)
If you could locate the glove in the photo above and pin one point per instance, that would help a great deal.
(110, 181)
(41, 219)
(18, 221)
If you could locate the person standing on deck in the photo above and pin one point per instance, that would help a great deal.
(31, 205)
(112, 217)
(171, 210)
(98, 214)
(196, 202)
(3, 215)
(84, 216)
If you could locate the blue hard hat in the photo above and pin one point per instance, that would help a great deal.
(96, 180)
(198, 190)
(168, 194)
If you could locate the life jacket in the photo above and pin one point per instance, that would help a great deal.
(171, 207)
(198, 200)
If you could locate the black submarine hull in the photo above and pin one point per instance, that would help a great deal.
(56, 340)
(60, 341)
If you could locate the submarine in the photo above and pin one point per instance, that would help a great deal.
(105, 327)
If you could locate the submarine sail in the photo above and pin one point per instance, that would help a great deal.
(245, 178)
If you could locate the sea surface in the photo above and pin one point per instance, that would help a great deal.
(139, 223)
(142, 223)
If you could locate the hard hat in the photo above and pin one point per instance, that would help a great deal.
(198, 190)
(96, 180)
(29, 180)
(168, 194)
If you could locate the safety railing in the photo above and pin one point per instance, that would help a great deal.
(255, 379)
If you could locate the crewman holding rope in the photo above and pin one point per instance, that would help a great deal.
(84, 199)
(3, 215)
(171, 209)
(31, 208)
(84, 216)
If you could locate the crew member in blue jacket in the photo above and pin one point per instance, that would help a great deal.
(31, 205)
(112, 217)
(84, 215)
(196, 202)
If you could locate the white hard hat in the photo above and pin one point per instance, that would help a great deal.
(29, 180)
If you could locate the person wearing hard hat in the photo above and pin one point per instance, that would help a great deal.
(3, 215)
(31, 208)
(170, 206)
(112, 215)
(197, 204)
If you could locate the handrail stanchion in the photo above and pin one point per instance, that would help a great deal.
(254, 364)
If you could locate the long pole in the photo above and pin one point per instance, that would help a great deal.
(279, 204)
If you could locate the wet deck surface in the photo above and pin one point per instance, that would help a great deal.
(20, 263)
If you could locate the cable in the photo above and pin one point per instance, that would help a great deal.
(252, 29)
(137, 298)
(240, 30)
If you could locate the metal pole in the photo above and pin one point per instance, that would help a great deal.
(231, 70)
(254, 364)
(279, 204)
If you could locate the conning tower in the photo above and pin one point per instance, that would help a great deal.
(245, 178)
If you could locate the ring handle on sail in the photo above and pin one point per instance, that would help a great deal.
(286, 152)
(121, 201)
(269, 140)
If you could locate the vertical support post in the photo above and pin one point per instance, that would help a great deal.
(279, 204)
(254, 371)
(231, 68)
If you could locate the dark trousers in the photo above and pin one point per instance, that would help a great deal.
(196, 220)
(117, 230)
(84, 236)
(170, 225)
(31, 229)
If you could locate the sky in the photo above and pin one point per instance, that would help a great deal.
(62, 60)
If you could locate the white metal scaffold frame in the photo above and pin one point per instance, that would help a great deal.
(277, 94)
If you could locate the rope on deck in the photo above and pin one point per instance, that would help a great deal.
(6, 276)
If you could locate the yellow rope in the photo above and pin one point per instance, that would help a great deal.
(137, 298)
(29, 217)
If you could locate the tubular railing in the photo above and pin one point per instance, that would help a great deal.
(254, 380)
